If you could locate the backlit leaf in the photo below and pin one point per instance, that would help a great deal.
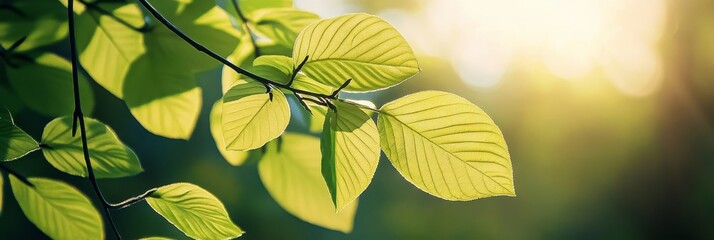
(446, 146)
(194, 211)
(46, 87)
(361, 47)
(165, 101)
(58, 209)
(110, 157)
(14, 142)
(281, 25)
(350, 152)
(107, 47)
(235, 158)
(291, 174)
(250, 118)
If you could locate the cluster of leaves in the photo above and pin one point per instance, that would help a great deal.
(441, 143)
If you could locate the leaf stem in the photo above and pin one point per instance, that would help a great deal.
(133, 200)
(17, 175)
(79, 117)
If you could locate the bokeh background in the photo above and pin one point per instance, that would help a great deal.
(607, 107)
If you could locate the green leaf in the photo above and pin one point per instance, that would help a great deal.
(107, 47)
(281, 25)
(350, 152)
(110, 157)
(235, 158)
(194, 211)
(291, 174)
(250, 118)
(58, 209)
(46, 86)
(446, 146)
(205, 22)
(164, 100)
(361, 47)
(14, 143)
(155, 238)
(43, 22)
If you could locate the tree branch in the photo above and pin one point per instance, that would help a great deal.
(79, 117)
(219, 58)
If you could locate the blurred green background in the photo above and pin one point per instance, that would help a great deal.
(607, 107)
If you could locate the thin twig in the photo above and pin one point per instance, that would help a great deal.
(79, 117)
(133, 200)
(256, 50)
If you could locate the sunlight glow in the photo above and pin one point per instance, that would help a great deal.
(483, 38)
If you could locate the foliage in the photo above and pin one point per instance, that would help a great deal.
(146, 55)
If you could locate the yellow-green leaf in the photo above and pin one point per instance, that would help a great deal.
(281, 25)
(14, 143)
(283, 64)
(194, 211)
(109, 156)
(350, 152)
(291, 174)
(155, 238)
(235, 158)
(205, 22)
(251, 118)
(361, 47)
(45, 86)
(107, 47)
(164, 100)
(446, 146)
(58, 209)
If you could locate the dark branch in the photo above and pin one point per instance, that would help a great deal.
(217, 57)
(79, 117)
